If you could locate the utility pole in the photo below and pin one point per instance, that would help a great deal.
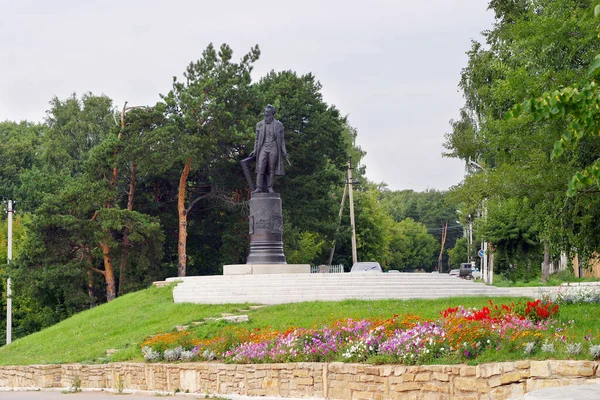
(338, 226)
(351, 199)
(8, 286)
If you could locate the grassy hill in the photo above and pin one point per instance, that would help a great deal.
(120, 324)
(125, 322)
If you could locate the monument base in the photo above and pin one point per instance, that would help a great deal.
(255, 269)
(266, 229)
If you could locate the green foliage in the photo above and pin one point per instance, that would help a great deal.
(308, 248)
(432, 208)
(75, 126)
(459, 253)
(19, 235)
(374, 228)
(535, 46)
(411, 246)
(581, 106)
(209, 108)
(320, 141)
(18, 146)
(510, 225)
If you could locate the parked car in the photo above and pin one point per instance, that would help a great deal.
(366, 266)
(454, 272)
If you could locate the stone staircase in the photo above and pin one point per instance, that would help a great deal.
(292, 288)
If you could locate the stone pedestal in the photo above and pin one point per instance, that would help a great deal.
(257, 269)
(266, 229)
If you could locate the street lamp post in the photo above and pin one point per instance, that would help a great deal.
(8, 283)
(487, 276)
(468, 234)
(470, 241)
(352, 222)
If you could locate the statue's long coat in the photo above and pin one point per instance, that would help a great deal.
(260, 139)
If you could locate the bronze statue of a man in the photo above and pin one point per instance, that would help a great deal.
(269, 150)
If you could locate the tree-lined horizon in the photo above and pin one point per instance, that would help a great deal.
(522, 169)
(112, 197)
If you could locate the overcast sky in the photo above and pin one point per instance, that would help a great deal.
(391, 65)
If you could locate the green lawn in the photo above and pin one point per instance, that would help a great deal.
(120, 324)
(123, 323)
(556, 279)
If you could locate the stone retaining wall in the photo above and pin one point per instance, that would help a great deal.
(320, 380)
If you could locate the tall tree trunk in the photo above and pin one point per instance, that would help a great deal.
(182, 213)
(87, 255)
(546, 265)
(444, 233)
(109, 272)
(126, 243)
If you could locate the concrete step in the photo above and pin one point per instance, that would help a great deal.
(290, 288)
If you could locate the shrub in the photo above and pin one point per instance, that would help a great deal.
(173, 354)
(150, 354)
(573, 349)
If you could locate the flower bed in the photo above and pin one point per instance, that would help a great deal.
(573, 295)
(458, 335)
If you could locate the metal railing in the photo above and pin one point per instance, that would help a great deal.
(327, 269)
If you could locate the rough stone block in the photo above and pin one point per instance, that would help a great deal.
(304, 381)
(465, 384)
(406, 386)
(514, 391)
(436, 387)
(336, 367)
(372, 371)
(572, 368)
(439, 376)
(363, 395)
(402, 378)
(404, 396)
(510, 377)
(435, 396)
(535, 384)
(340, 393)
(423, 377)
(540, 369)
(487, 370)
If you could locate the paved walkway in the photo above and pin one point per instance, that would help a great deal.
(102, 395)
(575, 392)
